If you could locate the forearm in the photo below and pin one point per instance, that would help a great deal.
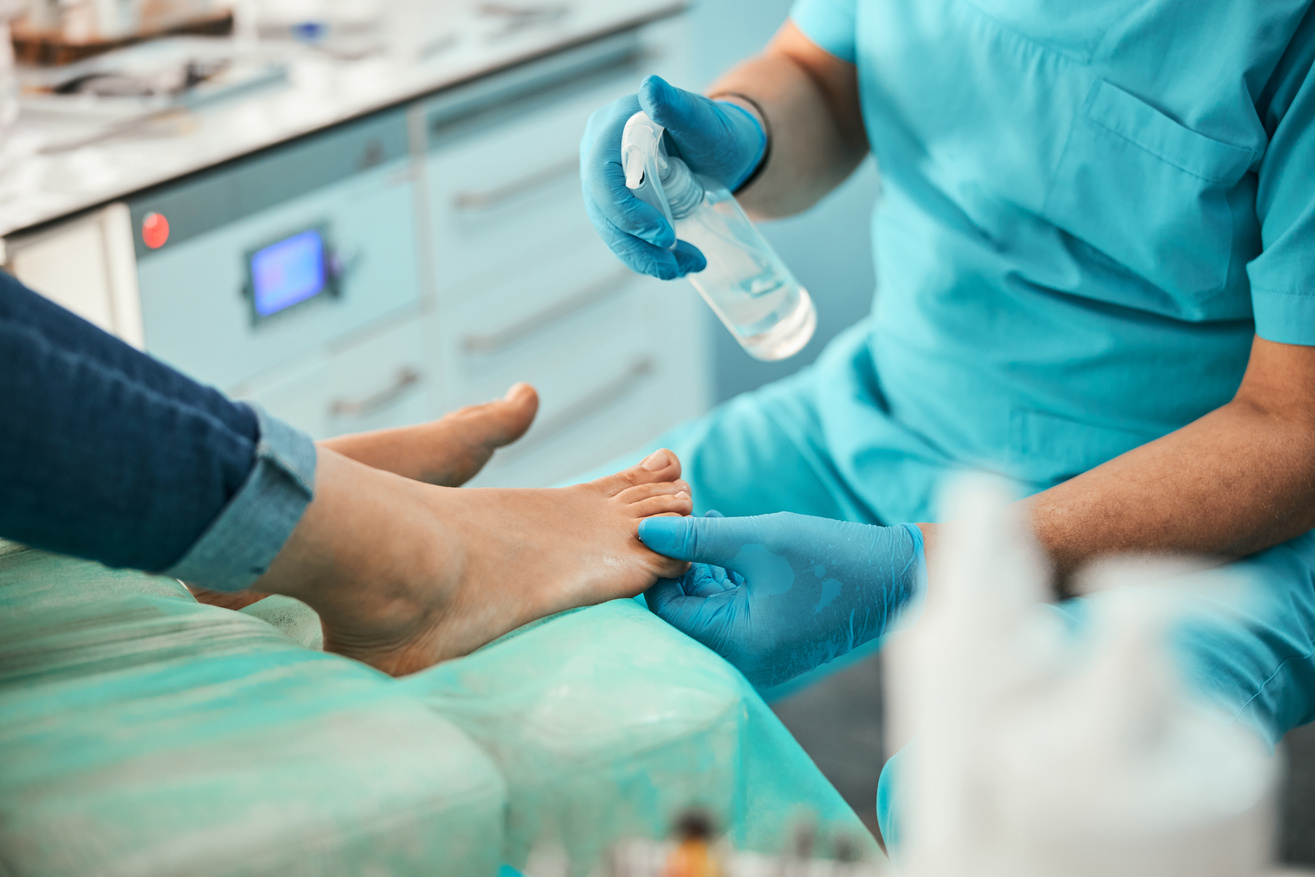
(1239, 480)
(1225, 486)
(810, 101)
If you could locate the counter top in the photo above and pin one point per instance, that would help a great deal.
(435, 45)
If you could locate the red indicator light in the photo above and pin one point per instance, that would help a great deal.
(155, 230)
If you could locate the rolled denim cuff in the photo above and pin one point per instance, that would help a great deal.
(241, 543)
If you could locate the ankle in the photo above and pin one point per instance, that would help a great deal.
(366, 543)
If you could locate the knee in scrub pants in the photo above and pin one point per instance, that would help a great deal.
(767, 450)
(1255, 657)
(764, 452)
(1258, 659)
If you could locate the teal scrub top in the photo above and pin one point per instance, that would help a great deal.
(1087, 210)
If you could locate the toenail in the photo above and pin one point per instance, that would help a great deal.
(655, 461)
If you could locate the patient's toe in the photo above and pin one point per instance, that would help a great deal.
(659, 466)
(644, 491)
(501, 421)
(663, 504)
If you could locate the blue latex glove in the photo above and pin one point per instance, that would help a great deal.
(716, 139)
(778, 595)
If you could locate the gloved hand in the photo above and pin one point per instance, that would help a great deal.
(716, 139)
(778, 595)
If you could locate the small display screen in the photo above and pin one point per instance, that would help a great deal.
(288, 272)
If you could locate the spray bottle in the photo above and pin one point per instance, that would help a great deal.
(746, 284)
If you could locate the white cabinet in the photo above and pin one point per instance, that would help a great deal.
(197, 302)
(85, 265)
(616, 358)
(525, 289)
(387, 378)
(462, 260)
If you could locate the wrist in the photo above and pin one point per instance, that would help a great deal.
(748, 115)
(362, 538)
(891, 577)
(909, 589)
(925, 536)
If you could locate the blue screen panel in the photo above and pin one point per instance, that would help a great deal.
(288, 272)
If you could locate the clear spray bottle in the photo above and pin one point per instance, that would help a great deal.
(746, 284)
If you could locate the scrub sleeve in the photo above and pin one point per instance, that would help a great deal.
(1283, 275)
(830, 24)
(109, 455)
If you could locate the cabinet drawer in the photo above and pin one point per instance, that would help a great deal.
(503, 186)
(501, 201)
(564, 331)
(196, 305)
(386, 380)
(613, 418)
(383, 381)
(297, 394)
(581, 335)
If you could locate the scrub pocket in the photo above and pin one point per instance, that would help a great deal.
(1149, 193)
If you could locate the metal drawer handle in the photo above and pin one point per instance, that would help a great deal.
(487, 199)
(495, 342)
(599, 400)
(406, 378)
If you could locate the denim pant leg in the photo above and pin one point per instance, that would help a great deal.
(68, 332)
(110, 455)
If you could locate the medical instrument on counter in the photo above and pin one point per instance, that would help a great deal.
(695, 854)
(166, 82)
(57, 32)
(696, 850)
(745, 283)
(133, 91)
(516, 19)
(174, 71)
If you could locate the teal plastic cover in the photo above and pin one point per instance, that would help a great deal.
(606, 723)
(143, 733)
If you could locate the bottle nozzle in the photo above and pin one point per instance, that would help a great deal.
(635, 162)
(644, 160)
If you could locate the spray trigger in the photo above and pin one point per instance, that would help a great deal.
(644, 160)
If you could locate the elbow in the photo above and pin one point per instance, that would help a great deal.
(1283, 460)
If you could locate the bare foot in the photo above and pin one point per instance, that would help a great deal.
(506, 557)
(225, 599)
(451, 450)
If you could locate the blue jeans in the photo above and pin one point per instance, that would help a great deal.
(113, 456)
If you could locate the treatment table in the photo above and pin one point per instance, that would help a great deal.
(143, 733)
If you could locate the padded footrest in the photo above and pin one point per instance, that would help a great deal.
(606, 722)
(142, 733)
